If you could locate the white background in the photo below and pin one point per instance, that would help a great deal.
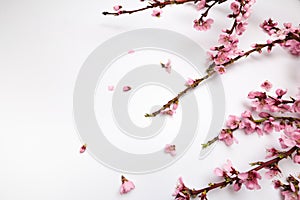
(42, 47)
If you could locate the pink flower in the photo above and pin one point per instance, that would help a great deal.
(131, 51)
(296, 106)
(268, 127)
(235, 7)
(286, 142)
(189, 82)
(110, 88)
(203, 25)
(250, 179)
(226, 170)
(201, 4)
(256, 94)
(126, 88)
(246, 114)
(180, 188)
(156, 13)
(82, 148)
(266, 85)
(240, 28)
(227, 137)
(126, 186)
(271, 152)
(117, 7)
(248, 126)
(280, 92)
(221, 57)
(293, 46)
(171, 149)
(296, 158)
(220, 69)
(269, 26)
(288, 195)
(233, 121)
(271, 173)
(229, 41)
(167, 66)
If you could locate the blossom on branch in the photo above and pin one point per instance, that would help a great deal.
(126, 186)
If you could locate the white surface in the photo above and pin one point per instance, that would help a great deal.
(42, 47)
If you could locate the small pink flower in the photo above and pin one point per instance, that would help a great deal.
(248, 126)
(293, 46)
(180, 188)
(110, 88)
(288, 195)
(126, 186)
(201, 4)
(240, 28)
(233, 121)
(271, 173)
(204, 25)
(268, 127)
(246, 114)
(296, 106)
(266, 85)
(117, 7)
(189, 82)
(250, 179)
(286, 141)
(296, 158)
(171, 149)
(131, 51)
(82, 148)
(126, 88)
(227, 137)
(280, 92)
(271, 152)
(256, 94)
(229, 41)
(269, 26)
(220, 69)
(156, 13)
(226, 170)
(235, 7)
(167, 66)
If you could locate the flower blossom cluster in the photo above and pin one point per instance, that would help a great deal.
(289, 191)
(228, 41)
(288, 31)
(275, 114)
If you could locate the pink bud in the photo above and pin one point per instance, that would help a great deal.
(117, 7)
(156, 13)
(175, 106)
(126, 88)
(264, 115)
(189, 82)
(110, 88)
(83, 148)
